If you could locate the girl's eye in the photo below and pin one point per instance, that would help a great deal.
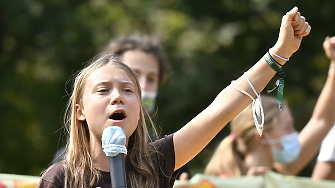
(152, 79)
(102, 90)
(127, 90)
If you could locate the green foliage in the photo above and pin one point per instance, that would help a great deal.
(207, 44)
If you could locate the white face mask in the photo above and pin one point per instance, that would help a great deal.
(148, 99)
(291, 148)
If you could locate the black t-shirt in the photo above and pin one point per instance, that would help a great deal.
(54, 177)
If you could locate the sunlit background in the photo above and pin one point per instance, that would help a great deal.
(207, 44)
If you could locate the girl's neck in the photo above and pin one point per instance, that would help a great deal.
(99, 158)
(260, 155)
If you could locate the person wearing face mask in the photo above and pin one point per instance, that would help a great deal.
(285, 149)
(281, 148)
(144, 55)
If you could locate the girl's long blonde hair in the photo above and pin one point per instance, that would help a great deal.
(79, 169)
(228, 159)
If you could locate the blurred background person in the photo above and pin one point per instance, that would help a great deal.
(144, 55)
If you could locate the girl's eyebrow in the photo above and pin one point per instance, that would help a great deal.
(128, 83)
(151, 72)
(125, 82)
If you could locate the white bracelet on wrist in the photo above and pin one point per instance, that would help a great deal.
(283, 58)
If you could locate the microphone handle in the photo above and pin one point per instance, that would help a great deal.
(117, 171)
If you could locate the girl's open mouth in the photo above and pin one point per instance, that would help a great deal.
(119, 115)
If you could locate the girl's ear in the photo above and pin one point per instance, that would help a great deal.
(80, 113)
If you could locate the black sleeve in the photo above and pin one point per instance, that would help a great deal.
(53, 177)
(166, 160)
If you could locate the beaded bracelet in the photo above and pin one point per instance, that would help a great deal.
(280, 81)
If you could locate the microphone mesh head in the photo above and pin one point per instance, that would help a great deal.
(114, 141)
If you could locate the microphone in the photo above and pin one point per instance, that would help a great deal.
(113, 142)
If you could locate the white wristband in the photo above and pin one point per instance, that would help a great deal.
(283, 58)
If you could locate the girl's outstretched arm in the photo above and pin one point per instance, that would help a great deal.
(196, 134)
(321, 122)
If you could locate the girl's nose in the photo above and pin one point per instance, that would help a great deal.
(117, 98)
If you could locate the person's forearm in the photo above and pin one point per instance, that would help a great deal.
(325, 106)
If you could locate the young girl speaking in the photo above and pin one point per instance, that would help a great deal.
(107, 93)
